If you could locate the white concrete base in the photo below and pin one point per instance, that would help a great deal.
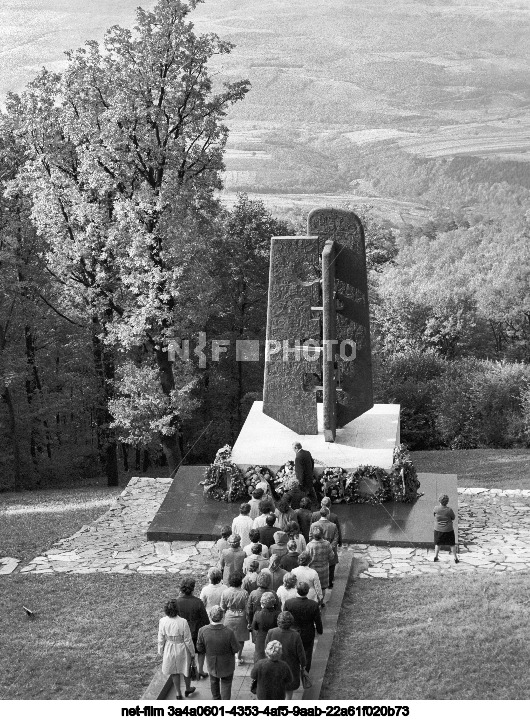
(368, 440)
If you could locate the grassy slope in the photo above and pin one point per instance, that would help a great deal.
(32, 521)
(458, 637)
(486, 468)
(94, 636)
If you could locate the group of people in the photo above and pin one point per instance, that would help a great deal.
(273, 567)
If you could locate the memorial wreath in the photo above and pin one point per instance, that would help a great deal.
(223, 480)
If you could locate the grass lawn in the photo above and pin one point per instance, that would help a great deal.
(94, 636)
(480, 467)
(31, 522)
(431, 637)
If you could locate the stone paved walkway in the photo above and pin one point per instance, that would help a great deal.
(494, 528)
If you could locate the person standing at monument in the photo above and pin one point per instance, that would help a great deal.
(304, 467)
(444, 534)
(220, 646)
(242, 524)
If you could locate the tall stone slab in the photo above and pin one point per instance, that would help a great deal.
(348, 305)
(294, 288)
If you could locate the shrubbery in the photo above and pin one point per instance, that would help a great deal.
(461, 403)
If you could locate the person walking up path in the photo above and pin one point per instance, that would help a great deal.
(175, 645)
(219, 644)
(306, 619)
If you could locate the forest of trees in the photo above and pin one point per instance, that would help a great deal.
(113, 243)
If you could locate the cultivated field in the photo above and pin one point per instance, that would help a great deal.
(437, 79)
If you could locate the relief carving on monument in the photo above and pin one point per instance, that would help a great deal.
(318, 300)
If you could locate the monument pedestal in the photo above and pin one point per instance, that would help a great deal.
(186, 515)
(367, 440)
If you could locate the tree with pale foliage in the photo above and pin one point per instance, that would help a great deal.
(124, 155)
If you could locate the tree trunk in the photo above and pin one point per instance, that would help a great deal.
(125, 452)
(171, 448)
(15, 440)
(104, 365)
(33, 384)
(147, 461)
(170, 444)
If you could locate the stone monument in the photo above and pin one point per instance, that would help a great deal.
(318, 364)
(318, 312)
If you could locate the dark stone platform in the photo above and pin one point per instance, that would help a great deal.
(185, 514)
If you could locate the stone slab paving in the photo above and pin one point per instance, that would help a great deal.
(494, 536)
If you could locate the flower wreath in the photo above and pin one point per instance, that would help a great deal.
(401, 484)
(403, 477)
(223, 480)
(254, 474)
(285, 478)
(333, 482)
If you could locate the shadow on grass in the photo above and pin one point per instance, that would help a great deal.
(480, 467)
(32, 521)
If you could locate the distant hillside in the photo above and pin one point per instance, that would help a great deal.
(332, 81)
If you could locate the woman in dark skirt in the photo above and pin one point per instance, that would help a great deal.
(262, 622)
(234, 603)
(193, 610)
(444, 534)
(292, 649)
(272, 675)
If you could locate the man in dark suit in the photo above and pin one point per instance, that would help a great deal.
(307, 619)
(220, 645)
(304, 466)
(266, 533)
